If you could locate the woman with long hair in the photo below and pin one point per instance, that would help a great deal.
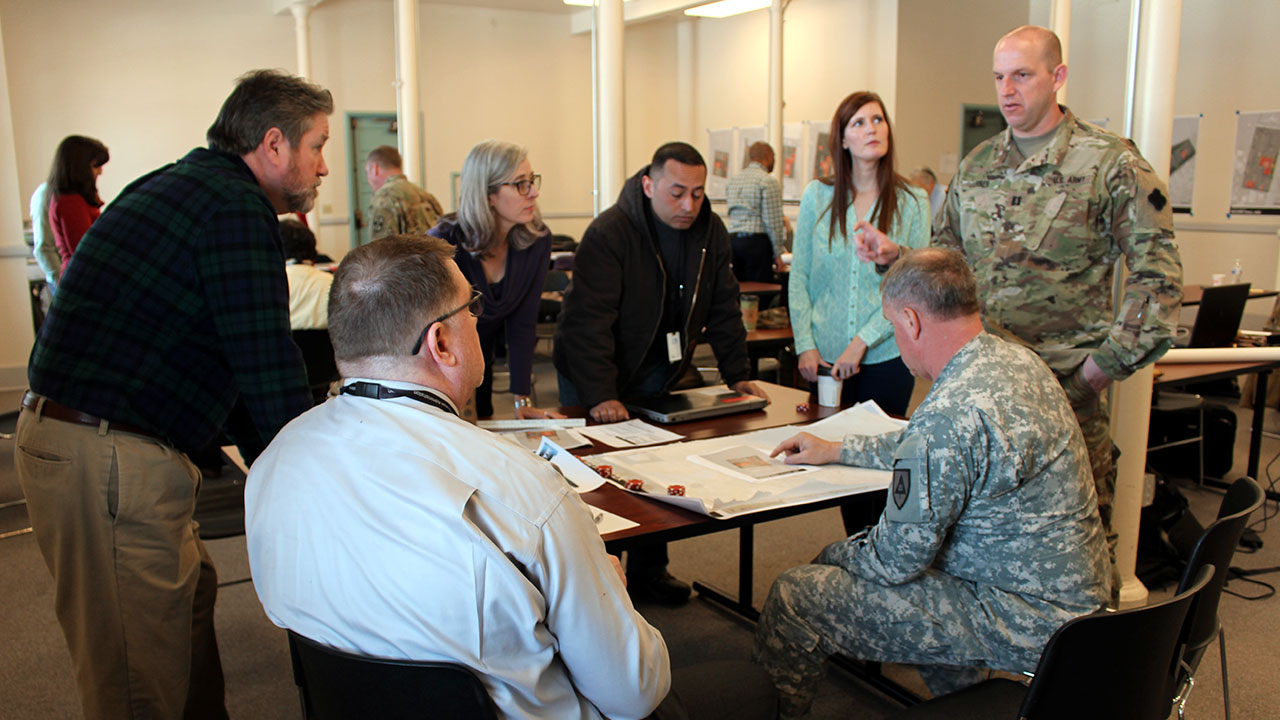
(73, 191)
(834, 297)
(504, 250)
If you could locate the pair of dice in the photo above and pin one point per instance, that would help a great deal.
(634, 485)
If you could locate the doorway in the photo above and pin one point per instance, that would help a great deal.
(365, 131)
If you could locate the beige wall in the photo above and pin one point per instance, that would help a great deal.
(944, 62)
(15, 307)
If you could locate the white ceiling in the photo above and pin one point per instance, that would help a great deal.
(552, 6)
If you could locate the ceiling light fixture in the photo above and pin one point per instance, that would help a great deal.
(725, 8)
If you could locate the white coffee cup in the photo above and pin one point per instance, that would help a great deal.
(829, 391)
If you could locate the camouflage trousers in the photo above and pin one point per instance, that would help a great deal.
(1095, 423)
(937, 621)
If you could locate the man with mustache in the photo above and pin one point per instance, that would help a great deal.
(650, 280)
(171, 326)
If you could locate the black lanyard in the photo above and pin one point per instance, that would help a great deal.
(381, 392)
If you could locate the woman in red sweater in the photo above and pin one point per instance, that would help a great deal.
(73, 191)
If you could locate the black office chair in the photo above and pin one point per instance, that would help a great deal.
(337, 685)
(317, 353)
(1104, 666)
(1215, 548)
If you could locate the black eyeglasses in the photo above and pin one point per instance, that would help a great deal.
(475, 306)
(523, 186)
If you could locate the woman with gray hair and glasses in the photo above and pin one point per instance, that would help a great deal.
(504, 250)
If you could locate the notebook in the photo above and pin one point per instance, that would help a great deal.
(1219, 315)
(695, 404)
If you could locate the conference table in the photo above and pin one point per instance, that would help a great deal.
(660, 522)
(1171, 375)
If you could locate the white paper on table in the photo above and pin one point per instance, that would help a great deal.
(580, 477)
(531, 440)
(607, 522)
(631, 433)
(749, 463)
(718, 494)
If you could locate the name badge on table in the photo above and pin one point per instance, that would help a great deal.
(674, 351)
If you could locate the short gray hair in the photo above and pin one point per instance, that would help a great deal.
(265, 99)
(487, 165)
(384, 293)
(936, 280)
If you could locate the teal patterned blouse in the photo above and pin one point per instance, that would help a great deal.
(835, 297)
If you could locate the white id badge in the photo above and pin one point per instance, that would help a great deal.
(674, 351)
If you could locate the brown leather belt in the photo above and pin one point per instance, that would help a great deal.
(57, 411)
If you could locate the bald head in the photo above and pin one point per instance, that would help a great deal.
(1043, 40)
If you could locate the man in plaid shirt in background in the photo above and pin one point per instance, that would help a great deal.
(171, 325)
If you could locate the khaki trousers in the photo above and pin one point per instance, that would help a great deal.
(134, 586)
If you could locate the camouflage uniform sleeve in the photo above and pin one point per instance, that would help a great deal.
(947, 232)
(1141, 222)
(382, 218)
(870, 451)
(932, 474)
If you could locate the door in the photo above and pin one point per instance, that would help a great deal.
(365, 131)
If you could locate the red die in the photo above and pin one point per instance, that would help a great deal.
(802, 408)
(675, 490)
(604, 470)
(635, 485)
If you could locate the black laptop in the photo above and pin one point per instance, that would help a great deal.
(1218, 318)
(694, 404)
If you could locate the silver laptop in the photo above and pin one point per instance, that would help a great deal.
(695, 404)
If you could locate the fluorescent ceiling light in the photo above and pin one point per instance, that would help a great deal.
(725, 8)
(585, 3)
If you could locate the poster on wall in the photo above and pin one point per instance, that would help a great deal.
(746, 137)
(1254, 190)
(819, 151)
(1182, 161)
(792, 185)
(719, 148)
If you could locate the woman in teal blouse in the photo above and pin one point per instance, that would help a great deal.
(834, 297)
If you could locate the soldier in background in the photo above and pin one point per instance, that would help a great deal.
(1042, 212)
(398, 206)
(991, 537)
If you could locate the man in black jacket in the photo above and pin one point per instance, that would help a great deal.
(651, 278)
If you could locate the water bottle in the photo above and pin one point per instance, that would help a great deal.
(1237, 273)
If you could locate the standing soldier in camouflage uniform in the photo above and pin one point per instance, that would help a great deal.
(990, 539)
(1042, 212)
(398, 206)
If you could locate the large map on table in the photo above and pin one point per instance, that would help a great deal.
(729, 476)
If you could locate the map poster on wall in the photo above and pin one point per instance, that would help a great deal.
(819, 150)
(792, 185)
(1182, 162)
(748, 136)
(1254, 189)
(719, 148)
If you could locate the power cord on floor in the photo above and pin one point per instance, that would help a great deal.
(1246, 576)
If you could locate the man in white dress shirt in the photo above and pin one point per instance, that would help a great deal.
(381, 523)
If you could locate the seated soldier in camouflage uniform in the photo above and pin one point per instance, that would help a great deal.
(991, 537)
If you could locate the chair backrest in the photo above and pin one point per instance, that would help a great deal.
(337, 685)
(1216, 546)
(1112, 664)
(317, 353)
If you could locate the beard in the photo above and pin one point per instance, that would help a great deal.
(299, 196)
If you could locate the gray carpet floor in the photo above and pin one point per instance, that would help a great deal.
(35, 671)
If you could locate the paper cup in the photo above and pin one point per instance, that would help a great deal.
(829, 391)
(750, 305)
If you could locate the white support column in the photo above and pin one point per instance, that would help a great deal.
(609, 100)
(302, 35)
(1159, 25)
(686, 81)
(408, 97)
(1061, 25)
(775, 83)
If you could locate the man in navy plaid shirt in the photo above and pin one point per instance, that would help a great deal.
(171, 324)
